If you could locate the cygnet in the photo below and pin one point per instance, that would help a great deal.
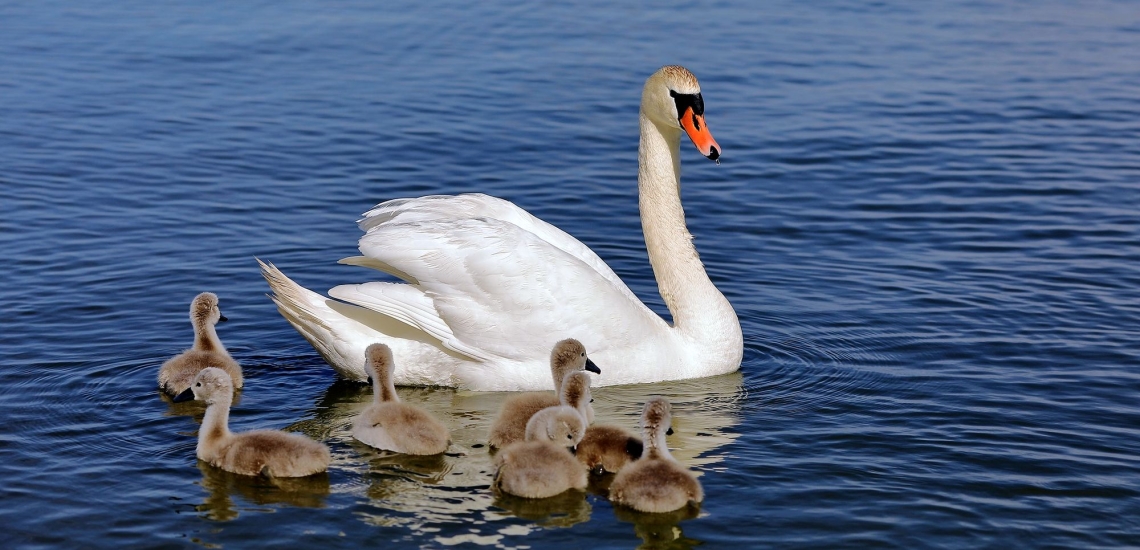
(391, 425)
(177, 372)
(510, 425)
(543, 466)
(260, 452)
(656, 482)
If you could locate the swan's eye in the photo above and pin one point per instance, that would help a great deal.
(583, 354)
(198, 385)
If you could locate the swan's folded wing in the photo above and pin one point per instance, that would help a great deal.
(504, 291)
(409, 305)
(478, 205)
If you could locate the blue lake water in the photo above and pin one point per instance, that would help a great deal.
(926, 218)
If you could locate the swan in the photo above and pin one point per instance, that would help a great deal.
(568, 357)
(486, 285)
(542, 466)
(391, 425)
(656, 482)
(270, 453)
(177, 372)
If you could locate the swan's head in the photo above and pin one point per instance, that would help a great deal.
(204, 310)
(672, 99)
(211, 385)
(561, 425)
(569, 355)
(657, 416)
(378, 362)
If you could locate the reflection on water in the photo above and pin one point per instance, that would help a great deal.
(562, 510)
(660, 530)
(421, 493)
(192, 408)
(308, 492)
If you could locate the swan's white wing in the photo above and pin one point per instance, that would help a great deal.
(407, 304)
(504, 291)
(478, 205)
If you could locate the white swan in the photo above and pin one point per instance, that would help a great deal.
(490, 288)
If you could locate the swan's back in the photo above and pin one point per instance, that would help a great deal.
(402, 428)
(273, 453)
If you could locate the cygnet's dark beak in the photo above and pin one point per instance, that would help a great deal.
(669, 431)
(222, 318)
(590, 366)
(574, 449)
(187, 395)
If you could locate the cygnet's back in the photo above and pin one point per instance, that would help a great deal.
(176, 374)
(391, 425)
(509, 426)
(259, 452)
(542, 466)
(656, 482)
(607, 448)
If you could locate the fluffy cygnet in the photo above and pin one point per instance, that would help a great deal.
(391, 425)
(260, 452)
(178, 371)
(656, 482)
(543, 466)
(510, 426)
(608, 448)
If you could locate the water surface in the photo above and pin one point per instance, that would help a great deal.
(925, 218)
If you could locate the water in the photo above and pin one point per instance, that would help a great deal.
(925, 218)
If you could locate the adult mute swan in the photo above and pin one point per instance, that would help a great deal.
(488, 288)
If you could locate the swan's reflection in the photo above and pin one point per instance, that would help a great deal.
(424, 494)
(309, 492)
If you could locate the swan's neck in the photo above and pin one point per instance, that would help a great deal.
(206, 338)
(699, 310)
(214, 430)
(384, 390)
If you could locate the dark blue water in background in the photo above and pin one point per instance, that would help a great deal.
(926, 218)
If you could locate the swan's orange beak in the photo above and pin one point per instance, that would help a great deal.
(694, 125)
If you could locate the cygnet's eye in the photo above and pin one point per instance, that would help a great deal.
(583, 354)
(198, 385)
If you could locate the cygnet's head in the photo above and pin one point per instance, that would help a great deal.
(378, 361)
(672, 100)
(576, 389)
(204, 310)
(570, 355)
(657, 416)
(561, 425)
(211, 385)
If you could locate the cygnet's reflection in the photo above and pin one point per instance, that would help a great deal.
(659, 530)
(193, 408)
(309, 492)
(421, 492)
(562, 510)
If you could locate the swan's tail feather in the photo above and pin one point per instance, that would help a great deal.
(309, 313)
